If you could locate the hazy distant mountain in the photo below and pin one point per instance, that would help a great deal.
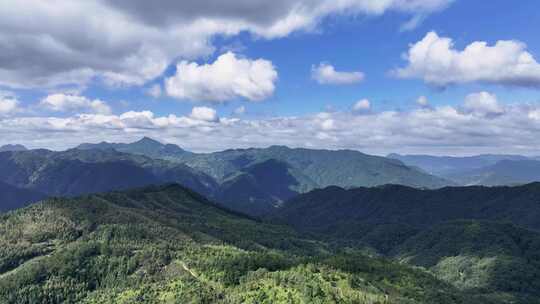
(447, 165)
(12, 197)
(12, 148)
(506, 172)
(145, 146)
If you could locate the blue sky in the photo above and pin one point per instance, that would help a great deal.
(95, 76)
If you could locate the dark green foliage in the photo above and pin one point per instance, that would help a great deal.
(321, 210)
(450, 231)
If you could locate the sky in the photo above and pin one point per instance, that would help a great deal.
(444, 77)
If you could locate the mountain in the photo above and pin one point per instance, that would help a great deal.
(168, 244)
(448, 165)
(506, 172)
(12, 197)
(478, 256)
(261, 187)
(146, 146)
(75, 172)
(336, 209)
(12, 148)
(479, 239)
(323, 168)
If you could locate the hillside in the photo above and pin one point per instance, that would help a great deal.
(146, 146)
(323, 209)
(466, 236)
(507, 172)
(12, 197)
(75, 172)
(6, 148)
(170, 245)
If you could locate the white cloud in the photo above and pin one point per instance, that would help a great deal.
(362, 105)
(61, 102)
(436, 130)
(325, 73)
(422, 101)
(483, 103)
(204, 114)
(229, 77)
(154, 91)
(132, 42)
(435, 60)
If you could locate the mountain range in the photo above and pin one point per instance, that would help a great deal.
(487, 169)
(168, 244)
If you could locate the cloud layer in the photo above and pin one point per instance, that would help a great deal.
(129, 42)
(480, 125)
(435, 60)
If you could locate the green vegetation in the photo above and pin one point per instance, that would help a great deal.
(468, 236)
(170, 245)
(12, 197)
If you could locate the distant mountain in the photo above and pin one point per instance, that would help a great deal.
(448, 165)
(146, 146)
(12, 197)
(168, 244)
(6, 148)
(254, 181)
(506, 172)
(75, 172)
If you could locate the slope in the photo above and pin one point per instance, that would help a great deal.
(168, 244)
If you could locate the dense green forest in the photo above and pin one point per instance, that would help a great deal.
(168, 244)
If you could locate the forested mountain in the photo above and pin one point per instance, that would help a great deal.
(12, 197)
(467, 236)
(145, 146)
(168, 244)
(75, 172)
(320, 168)
(507, 172)
(448, 165)
(324, 209)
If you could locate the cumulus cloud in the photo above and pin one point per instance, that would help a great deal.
(61, 102)
(204, 114)
(362, 105)
(130, 42)
(229, 77)
(325, 73)
(483, 103)
(435, 60)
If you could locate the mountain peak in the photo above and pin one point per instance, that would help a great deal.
(148, 141)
